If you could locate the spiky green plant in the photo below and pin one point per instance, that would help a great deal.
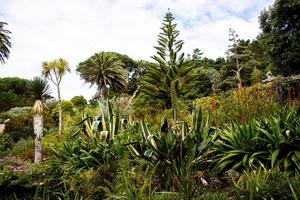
(281, 132)
(269, 142)
(177, 151)
(97, 143)
(105, 126)
(240, 147)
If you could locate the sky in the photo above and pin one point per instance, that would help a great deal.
(44, 30)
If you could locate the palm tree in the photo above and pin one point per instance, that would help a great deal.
(4, 42)
(54, 71)
(39, 90)
(105, 71)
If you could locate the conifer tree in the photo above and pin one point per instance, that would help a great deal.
(163, 80)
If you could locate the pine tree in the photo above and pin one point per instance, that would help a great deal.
(163, 80)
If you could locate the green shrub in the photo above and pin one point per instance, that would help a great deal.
(6, 175)
(6, 142)
(19, 127)
(215, 196)
(79, 102)
(20, 124)
(262, 185)
(134, 180)
(24, 149)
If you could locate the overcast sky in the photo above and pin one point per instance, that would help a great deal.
(44, 30)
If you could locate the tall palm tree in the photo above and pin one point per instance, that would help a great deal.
(38, 89)
(54, 71)
(4, 42)
(105, 71)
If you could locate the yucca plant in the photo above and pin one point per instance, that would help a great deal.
(177, 150)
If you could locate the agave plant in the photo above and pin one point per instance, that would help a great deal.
(268, 142)
(105, 126)
(177, 150)
(97, 144)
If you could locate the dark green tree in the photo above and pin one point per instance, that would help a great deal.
(280, 26)
(240, 61)
(135, 71)
(12, 93)
(162, 81)
(4, 42)
(79, 102)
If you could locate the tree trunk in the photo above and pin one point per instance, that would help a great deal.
(60, 123)
(101, 92)
(238, 68)
(238, 76)
(38, 132)
(174, 101)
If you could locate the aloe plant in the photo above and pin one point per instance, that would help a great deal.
(177, 150)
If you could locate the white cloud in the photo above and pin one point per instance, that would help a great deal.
(76, 29)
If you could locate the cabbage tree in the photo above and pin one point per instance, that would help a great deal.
(39, 90)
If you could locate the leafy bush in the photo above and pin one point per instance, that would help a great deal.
(79, 102)
(12, 93)
(20, 122)
(19, 127)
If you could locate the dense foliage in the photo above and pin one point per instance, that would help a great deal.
(183, 127)
(281, 35)
(13, 93)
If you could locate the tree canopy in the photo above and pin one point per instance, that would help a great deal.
(105, 71)
(280, 26)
